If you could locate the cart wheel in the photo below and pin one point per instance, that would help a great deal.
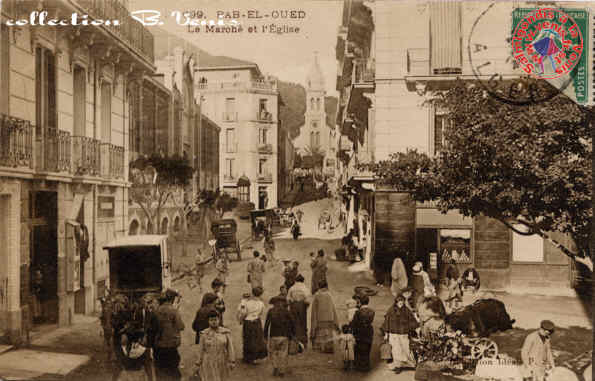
(484, 348)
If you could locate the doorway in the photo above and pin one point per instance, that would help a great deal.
(44, 257)
(263, 197)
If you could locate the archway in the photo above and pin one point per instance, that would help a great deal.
(164, 225)
(177, 222)
(134, 228)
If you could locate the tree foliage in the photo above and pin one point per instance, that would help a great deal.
(156, 180)
(526, 166)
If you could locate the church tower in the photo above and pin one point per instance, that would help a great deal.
(315, 133)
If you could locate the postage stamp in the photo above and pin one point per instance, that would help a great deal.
(547, 43)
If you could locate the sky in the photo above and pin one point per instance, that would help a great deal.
(286, 56)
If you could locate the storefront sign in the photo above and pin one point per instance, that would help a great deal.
(105, 206)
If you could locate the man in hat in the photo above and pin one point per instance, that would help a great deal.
(169, 324)
(537, 352)
(421, 284)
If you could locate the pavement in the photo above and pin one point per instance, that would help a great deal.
(573, 337)
(309, 225)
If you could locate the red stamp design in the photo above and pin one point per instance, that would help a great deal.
(547, 43)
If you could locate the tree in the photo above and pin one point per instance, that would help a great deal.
(155, 181)
(526, 166)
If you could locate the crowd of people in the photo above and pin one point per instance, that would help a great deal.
(277, 332)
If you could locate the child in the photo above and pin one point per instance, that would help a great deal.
(242, 312)
(222, 268)
(352, 307)
(346, 347)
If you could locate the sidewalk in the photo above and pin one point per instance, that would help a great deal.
(53, 354)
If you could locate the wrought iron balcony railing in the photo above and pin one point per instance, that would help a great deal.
(86, 157)
(264, 116)
(16, 142)
(57, 149)
(364, 71)
(265, 177)
(265, 148)
(230, 116)
(112, 161)
(134, 33)
(238, 85)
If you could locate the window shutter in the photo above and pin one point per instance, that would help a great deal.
(445, 37)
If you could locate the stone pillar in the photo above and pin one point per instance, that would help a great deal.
(65, 299)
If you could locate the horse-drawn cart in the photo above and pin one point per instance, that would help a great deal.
(462, 339)
(225, 234)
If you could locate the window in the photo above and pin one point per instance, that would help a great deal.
(440, 123)
(312, 103)
(230, 109)
(318, 104)
(106, 112)
(230, 140)
(45, 70)
(79, 99)
(244, 193)
(229, 168)
(262, 105)
(262, 167)
(314, 124)
(526, 248)
(446, 40)
(262, 136)
(4, 67)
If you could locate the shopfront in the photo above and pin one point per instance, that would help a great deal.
(442, 240)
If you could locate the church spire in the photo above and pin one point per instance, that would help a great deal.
(315, 79)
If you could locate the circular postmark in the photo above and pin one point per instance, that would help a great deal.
(519, 87)
(547, 43)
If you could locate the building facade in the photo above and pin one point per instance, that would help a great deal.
(385, 80)
(172, 126)
(238, 98)
(64, 105)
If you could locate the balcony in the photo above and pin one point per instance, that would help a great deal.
(264, 116)
(238, 85)
(112, 161)
(265, 178)
(131, 31)
(86, 156)
(230, 117)
(265, 148)
(16, 142)
(364, 71)
(56, 151)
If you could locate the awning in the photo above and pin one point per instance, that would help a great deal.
(244, 181)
